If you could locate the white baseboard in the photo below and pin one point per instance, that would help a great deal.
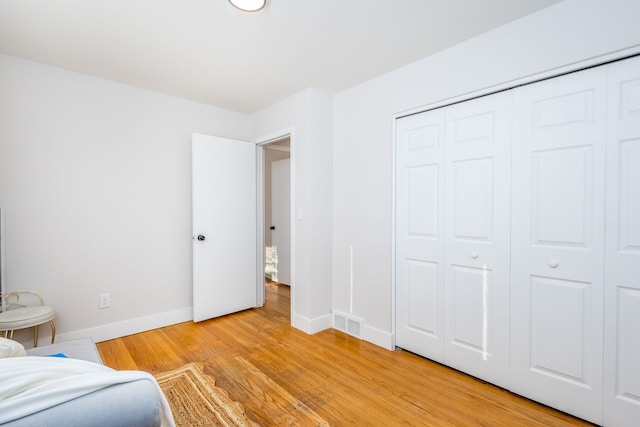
(126, 327)
(141, 324)
(379, 337)
(311, 326)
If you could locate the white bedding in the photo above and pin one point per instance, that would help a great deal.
(32, 384)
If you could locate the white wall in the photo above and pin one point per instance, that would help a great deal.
(95, 177)
(558, 36)
(309, 115)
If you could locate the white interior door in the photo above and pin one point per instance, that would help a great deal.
(557, 256)
(420, 234)
(477, 230)
(622, 283)
(224, 226)
(281, 217)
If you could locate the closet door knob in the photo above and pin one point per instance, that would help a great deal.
(553, 263)
(474, 255)
(201, 237)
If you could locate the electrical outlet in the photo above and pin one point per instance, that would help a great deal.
(104, 301)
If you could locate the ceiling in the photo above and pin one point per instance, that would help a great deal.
(207, 51)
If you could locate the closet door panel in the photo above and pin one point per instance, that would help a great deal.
(622, 288)
(422, 297)
(557, 266)
(562, 178)
(558, 334)
(469, 305)
(419, 233)
(477, 237)
(473, 194)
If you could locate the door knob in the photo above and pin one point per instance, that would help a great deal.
(201, 237)
(273, 227)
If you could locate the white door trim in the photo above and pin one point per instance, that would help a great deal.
(511, 84)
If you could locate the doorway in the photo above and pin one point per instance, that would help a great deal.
(277, 208)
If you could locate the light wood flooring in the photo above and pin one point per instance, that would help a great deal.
(283, 376)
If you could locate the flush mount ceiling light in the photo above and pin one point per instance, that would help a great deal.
(248, 5)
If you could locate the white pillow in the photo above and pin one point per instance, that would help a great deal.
(11, 348)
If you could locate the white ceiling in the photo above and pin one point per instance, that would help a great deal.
(207, 51)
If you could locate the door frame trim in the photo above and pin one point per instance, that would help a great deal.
(260, 143)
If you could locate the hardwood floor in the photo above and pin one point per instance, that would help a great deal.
(283, 376)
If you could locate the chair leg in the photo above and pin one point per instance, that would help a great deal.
(53, 330)
(36, 332)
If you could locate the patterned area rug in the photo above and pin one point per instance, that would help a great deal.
(196, 401)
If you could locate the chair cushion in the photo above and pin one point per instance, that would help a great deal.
(11, 348)
(25, 317)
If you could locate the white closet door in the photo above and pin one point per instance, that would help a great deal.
(477, 194)
(419, 234)
(558, 242)
(622, 289)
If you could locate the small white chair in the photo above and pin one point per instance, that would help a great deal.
(17, 314)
